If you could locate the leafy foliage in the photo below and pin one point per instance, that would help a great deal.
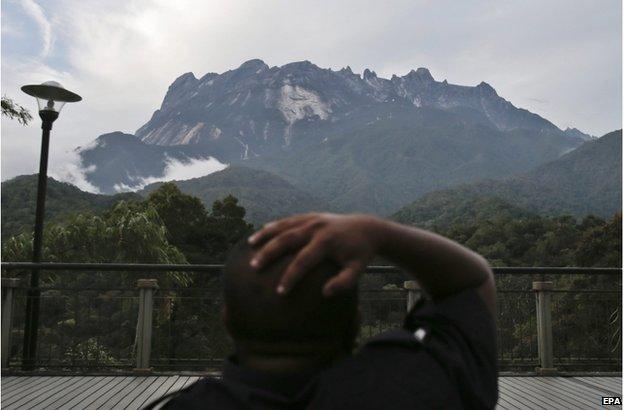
(264, 195)
(19, 197)
(509, 236)
(13, 110)
(204, 237)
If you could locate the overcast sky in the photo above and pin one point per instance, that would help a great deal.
(559, 59)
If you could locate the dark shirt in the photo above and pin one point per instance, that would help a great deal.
(444, 357)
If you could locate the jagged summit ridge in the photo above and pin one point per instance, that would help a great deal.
(256, 109)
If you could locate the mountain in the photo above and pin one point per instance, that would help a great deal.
(264, 196)
(358, 142)
(256, 109)
(585, 181)
(117, 162)
(19, 196)
(389, 163)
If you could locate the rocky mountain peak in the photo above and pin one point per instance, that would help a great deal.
(255, 109)
(485, 88)
(421, 74)
(368, 74)
(253, 65)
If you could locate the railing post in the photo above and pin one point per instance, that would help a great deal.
(8, 288)
(414, 293)
(144, 324)
(544, 328)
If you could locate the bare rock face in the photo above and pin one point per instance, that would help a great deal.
(357, 142)
(256, 109)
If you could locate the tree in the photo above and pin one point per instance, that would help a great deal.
(185, 219)
(13, 110)
(226, 226)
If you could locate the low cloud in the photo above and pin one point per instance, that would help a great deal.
(177, 170)
(70, 170)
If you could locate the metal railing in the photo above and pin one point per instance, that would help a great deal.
(549, 319)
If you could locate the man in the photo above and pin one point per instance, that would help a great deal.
(290, 307)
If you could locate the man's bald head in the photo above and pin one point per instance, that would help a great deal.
(257, 317)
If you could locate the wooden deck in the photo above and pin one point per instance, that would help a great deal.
(133, 392)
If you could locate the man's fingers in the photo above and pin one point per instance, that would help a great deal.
(346, 279)
(306, 259)
(283, 243)
(271, 229)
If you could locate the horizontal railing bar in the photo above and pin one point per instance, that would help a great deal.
(218, 267)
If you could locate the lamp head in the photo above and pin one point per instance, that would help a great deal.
(51, 96)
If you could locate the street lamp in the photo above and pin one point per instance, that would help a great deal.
(51, 96)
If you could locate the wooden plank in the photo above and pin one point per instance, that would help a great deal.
(134, 392)
(116, 396)
(176, 386)
(25, 385)
(557, 396)
(503, 403)
(134, 389)
(516, 389)
(613, 384)
(40, 390)
(179, 384)
(70, 389)
(161, 391)
(86, 392)
(588, 398)
(165, 388)
(141, 398)
(7, 381)
(106, 394)
(506, 395)
(26, 389)
(521, 396)
(190, 381)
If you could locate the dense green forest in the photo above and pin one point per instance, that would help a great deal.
(507, 235)
(264, 195)
(95, 325)
(19, 196)
(585, 181)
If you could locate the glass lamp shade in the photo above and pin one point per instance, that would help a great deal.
(51, 96)
(50, 105)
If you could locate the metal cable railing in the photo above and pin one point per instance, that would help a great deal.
(90, 320)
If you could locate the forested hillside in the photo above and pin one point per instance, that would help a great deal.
(265, 196)
(19, 196)
(585, 181)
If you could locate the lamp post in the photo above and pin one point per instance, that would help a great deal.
(51, 96)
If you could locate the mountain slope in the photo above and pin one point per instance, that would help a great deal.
(115, 162)
(256, 109)
(359, 142)
(265, 196)
(393, 161)
(585, 181)
(19, 196)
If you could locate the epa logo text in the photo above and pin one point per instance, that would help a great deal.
(611, 401)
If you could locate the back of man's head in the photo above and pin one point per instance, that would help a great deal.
(302, 322)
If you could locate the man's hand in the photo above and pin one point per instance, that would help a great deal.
(440, 265)
(348, 240)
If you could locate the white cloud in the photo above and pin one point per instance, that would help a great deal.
(70, 170)
(177, 170)
(35, 11)
(121, 55)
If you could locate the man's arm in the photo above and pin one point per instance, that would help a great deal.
(441, 266)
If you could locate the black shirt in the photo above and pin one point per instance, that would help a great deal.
(444, 357)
